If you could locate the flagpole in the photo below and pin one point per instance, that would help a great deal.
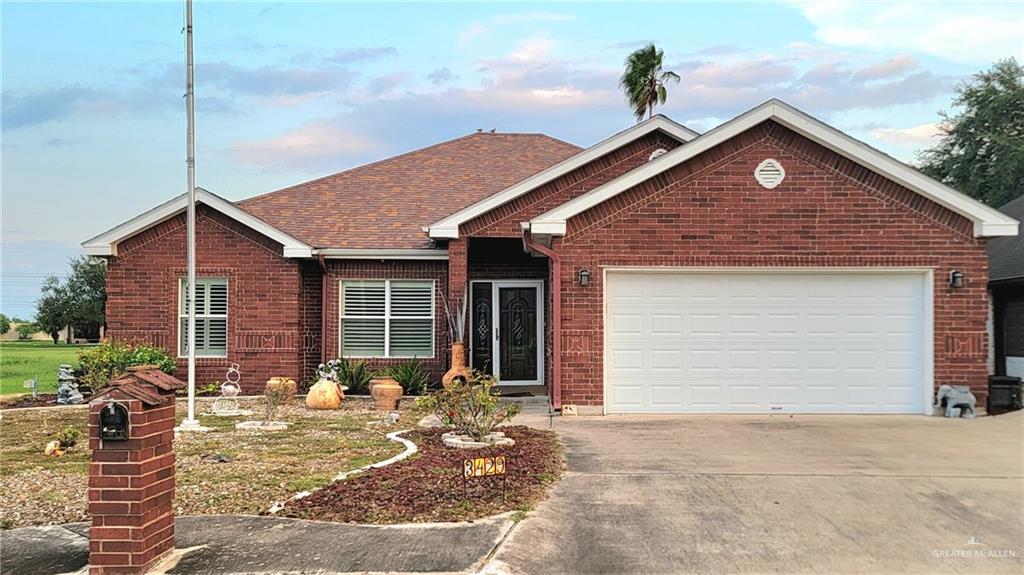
(190, 423)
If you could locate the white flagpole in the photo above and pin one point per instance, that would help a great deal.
(190, 423)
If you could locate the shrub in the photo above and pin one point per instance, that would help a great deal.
(273, 397)
(108, 360)
(410, 374)
(469, 408)
(353, 374)
(25, 330)
(68, 437)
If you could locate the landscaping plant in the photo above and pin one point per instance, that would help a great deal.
(354, 375)
(274, 396)
(411, 376)
(470, 408)
(106, 361)
(68, 437)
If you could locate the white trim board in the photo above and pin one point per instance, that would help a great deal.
(382, 254)
(448, 228)
(106, 243)
(988, 222)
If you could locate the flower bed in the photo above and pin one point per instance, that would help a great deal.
(428, 487)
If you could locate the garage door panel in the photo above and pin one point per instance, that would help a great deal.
(815, 342)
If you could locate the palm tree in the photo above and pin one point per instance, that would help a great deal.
(644, 81)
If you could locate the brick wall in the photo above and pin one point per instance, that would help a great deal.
(265, 329)
(310, 323)
(829, 211)
(338, 270)
(131, 488)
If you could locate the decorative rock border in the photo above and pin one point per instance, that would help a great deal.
(453, 439)
(410, 448)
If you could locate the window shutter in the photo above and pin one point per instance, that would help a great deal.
(410, 337)
(216, 298)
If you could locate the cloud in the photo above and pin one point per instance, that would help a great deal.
(61, 142)
(440, 76)
(922, 136)
(629, 44)
(31, 109)
(311, 145)
(961, 32)
(532, 50)
(478, 28)
(364, 54)
(384, 84)
(887, 69)
(272, 80)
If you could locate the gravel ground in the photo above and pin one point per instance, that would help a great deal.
(223, 471)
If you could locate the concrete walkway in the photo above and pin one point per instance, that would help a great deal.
(762, 494)
(246, 544)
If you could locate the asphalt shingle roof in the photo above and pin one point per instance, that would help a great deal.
(1006, 255)
(386, 204)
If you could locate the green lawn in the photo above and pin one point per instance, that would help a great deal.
(22, 360)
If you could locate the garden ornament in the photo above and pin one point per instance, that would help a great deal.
(67, 386)
(957, 400)
(226, 405)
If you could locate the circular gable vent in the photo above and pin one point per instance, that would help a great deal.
(769, 173)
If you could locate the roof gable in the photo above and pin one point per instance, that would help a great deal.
(106, 243)
(448, 227)
(987, 221)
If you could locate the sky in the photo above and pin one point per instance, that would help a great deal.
(93, 120)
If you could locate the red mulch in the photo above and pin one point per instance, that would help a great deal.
(43, 400)
(428, 486)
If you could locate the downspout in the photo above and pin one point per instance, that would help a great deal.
(556, 316)
(323, 308)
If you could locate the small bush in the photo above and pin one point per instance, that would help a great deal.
(353, 374)
(469, 408)
(410, 374)
(106, 361)
(68, 437)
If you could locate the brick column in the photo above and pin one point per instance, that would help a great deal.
(458, 265)
(131, 481)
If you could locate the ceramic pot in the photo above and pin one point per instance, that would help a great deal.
(459, 369)
(325, 394)
(386, 393)
(288, 385)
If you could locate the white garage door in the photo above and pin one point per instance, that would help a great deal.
(807, 342)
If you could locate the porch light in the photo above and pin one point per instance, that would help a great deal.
(584, 276)
(956, 279)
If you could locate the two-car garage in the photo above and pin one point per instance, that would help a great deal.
(767, 341)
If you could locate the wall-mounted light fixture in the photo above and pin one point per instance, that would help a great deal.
(956, 279)
(584, 276)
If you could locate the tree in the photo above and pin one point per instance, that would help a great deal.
(644, 82)
(80, 301)
(54, 308)
(5, 324)
(26, 329)
(982, 150)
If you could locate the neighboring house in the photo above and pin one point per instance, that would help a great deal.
(772, 264)
(1006, 283)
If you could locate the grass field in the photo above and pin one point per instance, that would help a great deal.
(22, 360)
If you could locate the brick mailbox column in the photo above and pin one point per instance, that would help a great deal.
(131, 477)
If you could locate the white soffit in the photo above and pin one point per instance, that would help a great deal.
(448, 227)
(988, 222)
(105, 244)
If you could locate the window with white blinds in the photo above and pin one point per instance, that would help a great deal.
(211, 317)
(387, 318)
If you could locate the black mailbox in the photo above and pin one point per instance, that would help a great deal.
(114, 422)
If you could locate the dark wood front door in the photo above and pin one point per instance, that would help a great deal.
(517, 333)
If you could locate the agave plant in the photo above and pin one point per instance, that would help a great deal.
(455, 312)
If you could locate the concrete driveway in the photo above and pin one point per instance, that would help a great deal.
(807, 494)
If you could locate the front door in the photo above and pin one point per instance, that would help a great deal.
(508, 330)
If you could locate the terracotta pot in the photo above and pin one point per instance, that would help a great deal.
(325, 394)
(288, 385)
(386, 393)
(459, 369)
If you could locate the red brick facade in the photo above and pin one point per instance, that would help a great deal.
(828, 211)
(266, 329)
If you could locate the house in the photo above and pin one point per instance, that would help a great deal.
(1006, 284)
(772, 264)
